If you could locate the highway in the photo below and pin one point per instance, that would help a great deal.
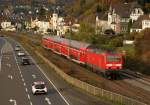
(16, 81)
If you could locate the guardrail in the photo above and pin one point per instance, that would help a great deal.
(113, 97)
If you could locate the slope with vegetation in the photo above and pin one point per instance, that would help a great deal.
(137, 56)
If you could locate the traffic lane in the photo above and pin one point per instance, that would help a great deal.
(2, 42)
(12, 86)
(27, 72)
(3, 78)
(31, 73)
(74, 95)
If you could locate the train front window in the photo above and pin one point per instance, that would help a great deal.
(113, 59)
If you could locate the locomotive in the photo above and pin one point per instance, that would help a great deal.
(107, 63)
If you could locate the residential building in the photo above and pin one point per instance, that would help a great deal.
(142, 23)
(6, 25)
(42, 25)
(57, 24)
(119, 16)
(102, 23)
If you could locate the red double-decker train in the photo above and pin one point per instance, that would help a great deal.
(107, 63)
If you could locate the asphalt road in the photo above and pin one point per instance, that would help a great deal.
(16, 81)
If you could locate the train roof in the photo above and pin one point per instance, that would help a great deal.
(80, 45)
(72, 43)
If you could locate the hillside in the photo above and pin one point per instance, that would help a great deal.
(87, 9)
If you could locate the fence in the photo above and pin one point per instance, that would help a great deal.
(113, 97)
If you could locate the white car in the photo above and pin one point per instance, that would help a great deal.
(39, 87)
(21, 53)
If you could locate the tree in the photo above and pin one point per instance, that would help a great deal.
(142, 44)
(82, 3)
(129, 25)
(116, 42)
(98, 9)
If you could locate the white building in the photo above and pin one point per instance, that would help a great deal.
(136, 13)
(42, 25)
(7, 26)
(102, 23)
(57, 24)
(119, 16)
(54, 21)
(142, 23)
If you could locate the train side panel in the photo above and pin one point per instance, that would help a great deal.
(96, 61)
(74, 53)
(64, 50)
(83, 56)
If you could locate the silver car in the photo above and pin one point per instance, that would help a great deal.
(21, 53)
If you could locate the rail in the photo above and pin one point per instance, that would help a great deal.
(113, 97)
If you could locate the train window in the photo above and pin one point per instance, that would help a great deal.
(82, 54)
(113, 59)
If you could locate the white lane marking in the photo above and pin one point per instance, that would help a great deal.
(26, 90)
(28, 96)
(10, 76)
(14, 101)
(24, 84)
(1, 58)
(9, 65)
(31, 103)
(22, 79)
(20, 73)
(34, 76)
(51, 83)
(48, 100)
(46, 76)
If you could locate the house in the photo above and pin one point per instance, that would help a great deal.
(71, 24)
(119, 16)
(7, 26)
(142, 23)
(102, 23)
(57, 24)
(41, 24)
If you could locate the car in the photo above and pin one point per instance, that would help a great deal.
(17, 48)
(21, 53)
(1, 35)
(39, 87)
(25, 61)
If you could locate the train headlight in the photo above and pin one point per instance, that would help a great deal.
(109, 65)
(118, 65)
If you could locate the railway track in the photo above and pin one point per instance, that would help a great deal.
(137, 79)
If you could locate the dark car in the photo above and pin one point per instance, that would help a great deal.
(25, 61)
(1, 35)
